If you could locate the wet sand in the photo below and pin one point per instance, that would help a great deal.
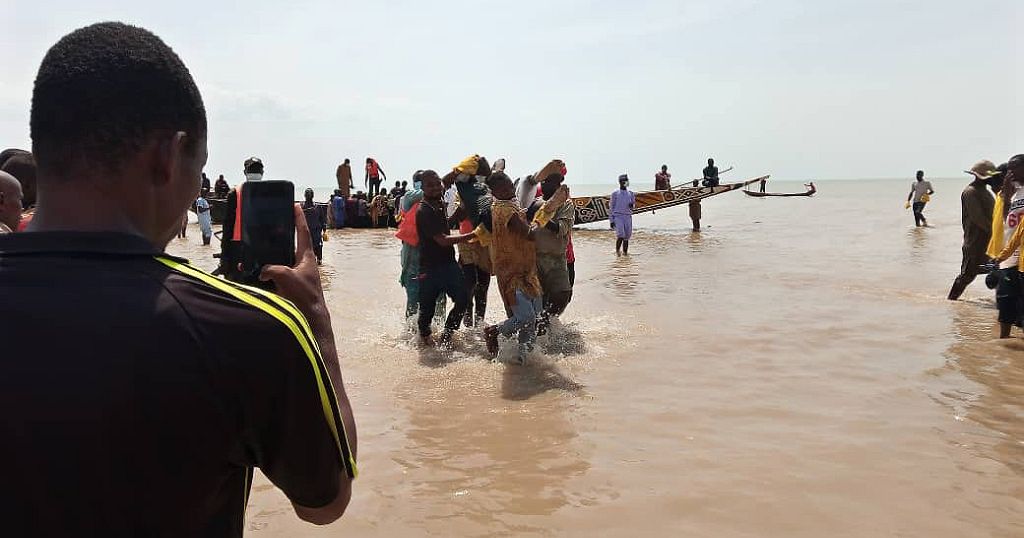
(794, 370)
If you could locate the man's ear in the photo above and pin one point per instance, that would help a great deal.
(168, 156)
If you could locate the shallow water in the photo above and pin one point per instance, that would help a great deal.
(793, 370)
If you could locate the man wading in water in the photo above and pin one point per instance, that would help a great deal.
(976, 205)
(167, 386)
(920, 193)
(515, 267)
(439, 273)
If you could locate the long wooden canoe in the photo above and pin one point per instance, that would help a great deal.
(811, 189)
(595, 208)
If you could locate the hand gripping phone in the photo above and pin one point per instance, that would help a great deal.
(268, 228)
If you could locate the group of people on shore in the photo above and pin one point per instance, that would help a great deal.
(992, 235)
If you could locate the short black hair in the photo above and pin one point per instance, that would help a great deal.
(496, 178)
(102, 90)
(920, 173)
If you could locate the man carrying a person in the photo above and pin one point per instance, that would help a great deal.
(551, 242)
(167, 386)
(439, 272)
(514, 262)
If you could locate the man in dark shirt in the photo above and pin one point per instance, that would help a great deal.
(232, 249)
(316, 220)
(439, 273)
(711, 174)
(221, 187)
(976, 206)
(139, 392)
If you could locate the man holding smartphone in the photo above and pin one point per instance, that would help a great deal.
(140, 392)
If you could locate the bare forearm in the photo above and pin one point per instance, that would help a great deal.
(450, 240)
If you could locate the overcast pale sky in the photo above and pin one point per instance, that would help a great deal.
(800, 89)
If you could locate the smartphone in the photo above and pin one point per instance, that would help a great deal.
(268, 228)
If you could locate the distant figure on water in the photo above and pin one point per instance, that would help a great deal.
(203, 213)
(374, 176)
(663, 179)
(344, 176)
(976, 205)
(221, 188)
(920, 193)
(711, 174)
(622, 204)
(338, 209)
(317, 224)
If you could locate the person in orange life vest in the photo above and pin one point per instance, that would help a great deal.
(374, 176)
(231, 234)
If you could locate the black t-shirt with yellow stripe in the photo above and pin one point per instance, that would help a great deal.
(138, 393)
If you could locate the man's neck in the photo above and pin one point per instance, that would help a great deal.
(85, 209)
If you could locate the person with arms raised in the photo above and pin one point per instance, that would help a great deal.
(167, 386)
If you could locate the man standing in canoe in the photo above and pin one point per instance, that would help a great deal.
(711, 174)
(344, 176)
(663, 179)
(920, 193)
(621, 209)
(977, 206)
(374, 176)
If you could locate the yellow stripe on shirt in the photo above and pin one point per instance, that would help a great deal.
(252, 297)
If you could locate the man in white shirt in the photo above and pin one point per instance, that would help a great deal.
(920, 191)
(203, 212)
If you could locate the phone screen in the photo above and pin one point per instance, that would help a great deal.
(268, 227)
